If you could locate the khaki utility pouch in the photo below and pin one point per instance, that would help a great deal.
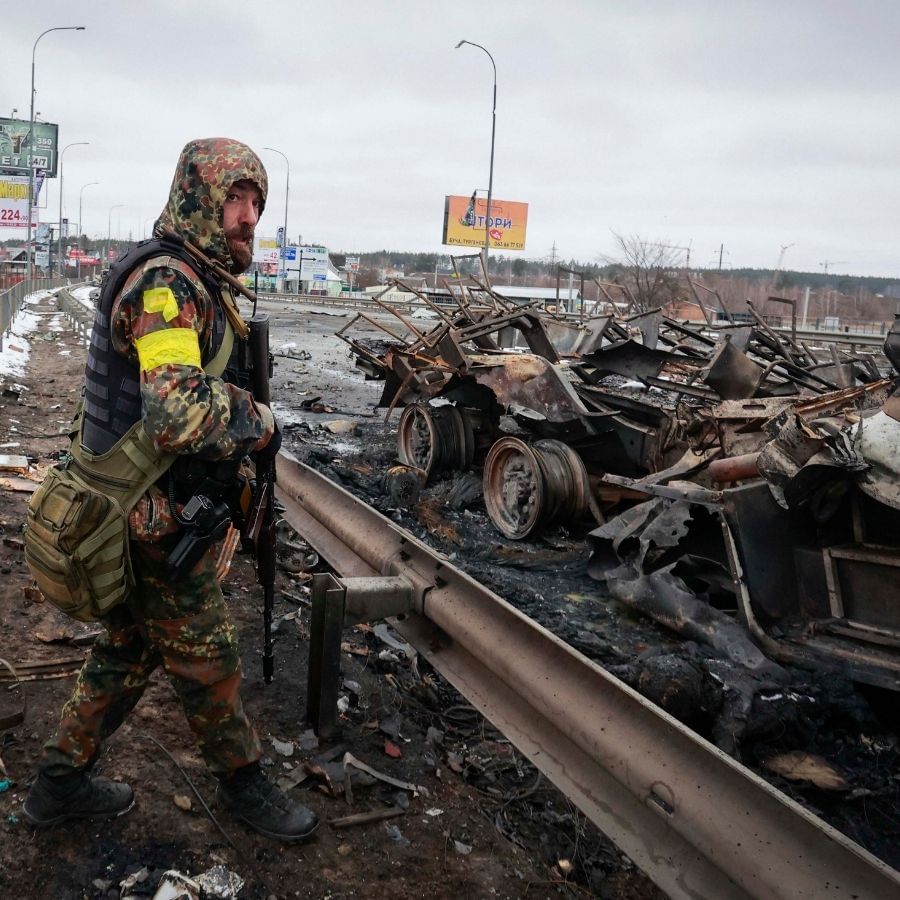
(76, 534)
(76, 545)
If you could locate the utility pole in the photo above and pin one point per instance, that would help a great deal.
(490, 191)
(61, 236)
(29, 274)
(826, 294)
(721, 251)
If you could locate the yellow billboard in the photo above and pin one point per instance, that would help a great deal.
(464, 222)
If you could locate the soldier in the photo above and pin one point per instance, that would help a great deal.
(161, 319)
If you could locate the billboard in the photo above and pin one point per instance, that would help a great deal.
(13, 201)
(14, 145)
(75, 256)
(313, 263)
(464, 222)
(265, 250)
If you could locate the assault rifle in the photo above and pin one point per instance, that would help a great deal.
(260, 530)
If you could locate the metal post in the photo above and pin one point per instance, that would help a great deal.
(337, 602)
(805, 308)
(29, 274)
(59, 252)
(287, 194)
(78, 237)
(323, 676)
(109, 231)
(487, 218)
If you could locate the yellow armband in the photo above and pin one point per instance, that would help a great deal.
(171, 346)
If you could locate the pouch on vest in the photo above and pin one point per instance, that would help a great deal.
(76, 530)
(76, 545)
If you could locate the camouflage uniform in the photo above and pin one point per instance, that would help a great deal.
(162, 321)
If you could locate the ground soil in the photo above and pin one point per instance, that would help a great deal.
(485, 824)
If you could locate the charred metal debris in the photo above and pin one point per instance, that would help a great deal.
(744, 482)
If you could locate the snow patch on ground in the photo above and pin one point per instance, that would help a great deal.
(83, 295)
(16, 348)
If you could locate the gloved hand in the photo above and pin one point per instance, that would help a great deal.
(270, 451)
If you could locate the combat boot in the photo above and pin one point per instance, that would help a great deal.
(75, 796)
(249, 796)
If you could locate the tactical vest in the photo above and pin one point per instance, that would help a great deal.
(76, 536)
(112, 395)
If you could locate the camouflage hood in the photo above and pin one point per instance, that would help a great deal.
(206, 169)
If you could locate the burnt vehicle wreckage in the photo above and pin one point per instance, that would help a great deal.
(743, 484)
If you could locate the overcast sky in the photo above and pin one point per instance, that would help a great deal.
(753, 124)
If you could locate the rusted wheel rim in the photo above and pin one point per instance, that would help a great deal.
(513, 487)
(432, 438)
(565, 480)
(416, 437)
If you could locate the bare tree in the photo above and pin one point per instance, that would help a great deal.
(648, 269)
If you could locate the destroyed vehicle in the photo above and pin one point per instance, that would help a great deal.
(583, 397)
(799, 541)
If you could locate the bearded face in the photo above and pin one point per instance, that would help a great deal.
(240, 213)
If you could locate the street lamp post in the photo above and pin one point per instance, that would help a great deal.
(28, 254)
(59, 250)
(287, 194)
(80, 197)
(109, 230)
(487, 218)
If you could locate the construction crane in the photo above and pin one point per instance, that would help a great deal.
(784, 249)
(832, 262)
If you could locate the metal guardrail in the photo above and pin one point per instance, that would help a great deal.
(862, 334)
(11, 300)
(852, 338)
(342, 301)
(695, 820)
(80, 317)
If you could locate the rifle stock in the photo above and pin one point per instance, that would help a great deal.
(263, 515)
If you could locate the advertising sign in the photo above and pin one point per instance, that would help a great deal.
(351, 264)
(314, 263)
(75, 256)
(464, 222)
(14, 145)
(13, 201)
(42, 245)
(265, 250)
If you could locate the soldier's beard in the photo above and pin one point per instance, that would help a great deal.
(240, 245)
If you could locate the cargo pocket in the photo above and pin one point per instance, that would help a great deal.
(76, 545)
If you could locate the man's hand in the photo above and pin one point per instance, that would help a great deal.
(270, 451)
